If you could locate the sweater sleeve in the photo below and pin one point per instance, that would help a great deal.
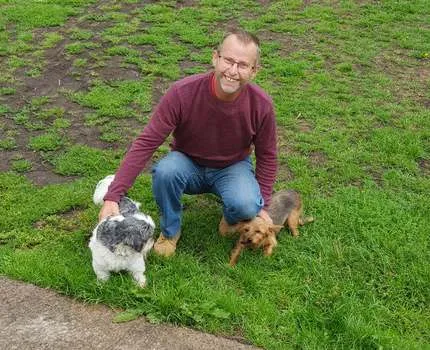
(163, 121)
(266, 156)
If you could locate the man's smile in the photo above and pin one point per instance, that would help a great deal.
(230, 78)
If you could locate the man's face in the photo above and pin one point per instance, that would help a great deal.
(235, 65)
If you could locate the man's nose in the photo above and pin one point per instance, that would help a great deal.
(234, 68)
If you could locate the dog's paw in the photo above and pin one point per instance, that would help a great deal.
(140, 279)
(141, 284)
(102, 277)
(268, 251)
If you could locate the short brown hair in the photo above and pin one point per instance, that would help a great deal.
(244, 37)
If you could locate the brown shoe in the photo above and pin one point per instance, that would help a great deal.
(166, 246)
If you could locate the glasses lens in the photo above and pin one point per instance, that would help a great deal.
(241, 66)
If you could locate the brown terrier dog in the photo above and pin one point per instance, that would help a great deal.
(284, 210)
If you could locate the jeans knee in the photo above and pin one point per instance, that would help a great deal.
(163, 173)
(167, 170)
(239, 210)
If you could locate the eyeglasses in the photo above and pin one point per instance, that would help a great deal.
(242, 67)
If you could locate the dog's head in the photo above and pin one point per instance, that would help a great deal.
(254, 232)
(133, 231)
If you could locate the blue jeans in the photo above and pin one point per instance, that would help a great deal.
(177, 174)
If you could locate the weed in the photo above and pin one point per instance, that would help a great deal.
(46, 142)
(21, 165)
(61, 123)
(37, 102)
(79, 47)
(33, 72)
(79, 34)
(7, 91)
(7, 144)
(80, 62)
(83, 160)
(57, 112)
(114, 101)
(16, 62)
(51, 39)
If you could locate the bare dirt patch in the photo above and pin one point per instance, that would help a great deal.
(285, 174)
(67, 221)
(411, 80)
(186, 3)
(424, 165)
(114, 71)
(317, 159)
(264, 2)
(304, 125)
(60, 77)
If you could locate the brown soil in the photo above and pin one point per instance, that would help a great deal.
(425, 166)
(57, 77)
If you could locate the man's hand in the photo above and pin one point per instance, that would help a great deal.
(265, 216)
(109, 208)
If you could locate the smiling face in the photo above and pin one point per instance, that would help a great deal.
(235, 65)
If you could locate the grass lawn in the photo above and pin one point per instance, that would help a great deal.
(351, 85)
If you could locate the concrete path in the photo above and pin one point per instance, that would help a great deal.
(37, 318)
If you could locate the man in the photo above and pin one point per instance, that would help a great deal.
(216, 119)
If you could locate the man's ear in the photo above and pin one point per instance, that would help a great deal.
(215, 55)
(255, 70)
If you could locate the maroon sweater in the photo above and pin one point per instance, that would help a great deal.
(212, 132)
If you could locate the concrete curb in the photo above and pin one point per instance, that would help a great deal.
(37, 318)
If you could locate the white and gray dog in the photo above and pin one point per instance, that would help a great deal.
(121, 242)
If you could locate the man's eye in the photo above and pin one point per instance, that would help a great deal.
(243, 65)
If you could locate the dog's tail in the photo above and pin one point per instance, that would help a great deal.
(101, 189)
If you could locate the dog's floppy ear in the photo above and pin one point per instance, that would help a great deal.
(242, 226)
(107, 233)
(226, 229)
(135, 233)
(276, 228)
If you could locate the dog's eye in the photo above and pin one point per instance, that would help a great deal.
(258, 231)
(246, 229)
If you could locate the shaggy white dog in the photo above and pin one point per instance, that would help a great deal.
(121, 242)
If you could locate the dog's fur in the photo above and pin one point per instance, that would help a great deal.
(284, 210)
(121, 242)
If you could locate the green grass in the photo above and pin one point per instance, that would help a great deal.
(350, 84)
(113, 100)
(46, 142)
(21, 165)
